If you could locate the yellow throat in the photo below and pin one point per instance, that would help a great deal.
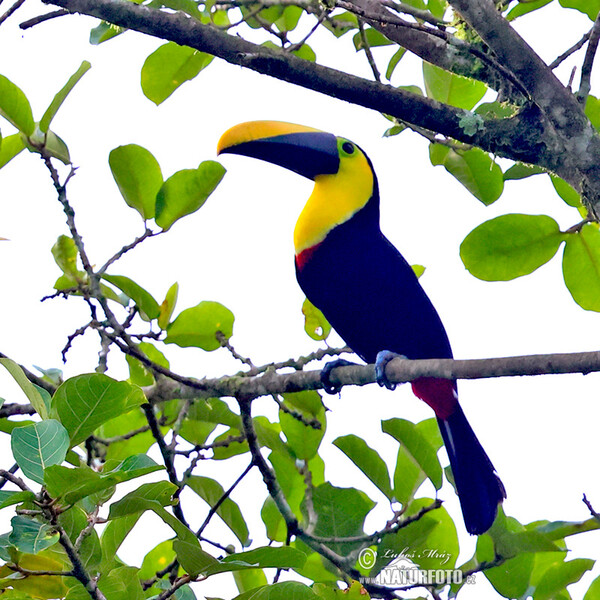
(335, 198)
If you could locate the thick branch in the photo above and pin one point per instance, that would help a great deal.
(501, 138)
(398, 371)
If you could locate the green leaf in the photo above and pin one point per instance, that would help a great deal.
(452, 89)
(65, 255)
(372, 38)
(305, 52)
(142, 299)
(396, 58)
(593, 592)
(510, 246)
(581, 266)
(522, 8)
(592, 110)
(61, 96)
(408, 477)
(168, 67)
(341, 23)
(512, 578)
(367, 460)
(56, 147)
(431, 542)
(30, 390)
(424, 454)
(104, 32)
(521, 171)
(341, 513)
(157, 559)
(38, 446)
(138, 176)
(212, 492)
(10, 147)
(113, 536)
(317, 327)
(283, 557)
(85, 402)
(303, 439)
(30, 536)
(122, 584)
(74, 484)
(587, 7)
(186, 191)
(168, 306)
(286, 590)
(192, 558)
(11, 498)
(477, 172)
(566, 191)
(198, 326)
(15, 107)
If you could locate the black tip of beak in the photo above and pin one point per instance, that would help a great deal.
(307, 153)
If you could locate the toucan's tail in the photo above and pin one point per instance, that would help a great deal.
(478, 487)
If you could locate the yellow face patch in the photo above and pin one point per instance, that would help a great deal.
(335, 198)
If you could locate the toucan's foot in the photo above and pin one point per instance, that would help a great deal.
(329, 387)
(383, 358)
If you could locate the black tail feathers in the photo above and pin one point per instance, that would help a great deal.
(478, 487)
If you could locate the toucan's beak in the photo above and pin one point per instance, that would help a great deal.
(304, 150)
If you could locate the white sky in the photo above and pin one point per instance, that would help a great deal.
(541, 432)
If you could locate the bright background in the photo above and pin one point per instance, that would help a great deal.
(541, 432)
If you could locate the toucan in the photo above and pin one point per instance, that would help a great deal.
(365, 288)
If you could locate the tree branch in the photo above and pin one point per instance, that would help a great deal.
(398, 371)
(502, 137)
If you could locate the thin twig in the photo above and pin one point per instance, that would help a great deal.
(588, 62)
(11, 10)
(219, 502)
(557, 61)
(367, 49)
(61, 12)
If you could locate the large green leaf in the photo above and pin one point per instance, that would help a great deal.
(74, 484)
(211, 492)
(198, 326)
(138, 176)
(566, 191)
(367, 460)
(168, 67)
(15, 107)
(510, 246)
(477, 172)
(421, 450)
(142, 298)
(122, 584)
(38, 446)
(113, 536)
(581, 266)
(85, 402)
(341, 513)
(588, 7)
(511, 579)
(186, 191)
(452, 89)
(192, 558)
(31, 536)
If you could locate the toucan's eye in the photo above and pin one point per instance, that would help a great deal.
(348, 147)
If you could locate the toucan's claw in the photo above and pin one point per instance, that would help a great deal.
(383, 358)
(325, 376)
